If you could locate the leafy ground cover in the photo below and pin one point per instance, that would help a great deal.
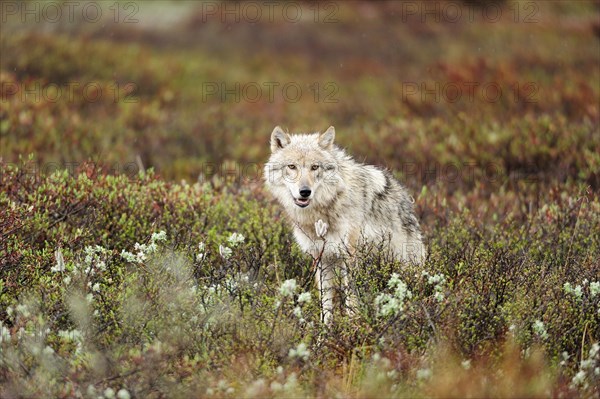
(141, 257)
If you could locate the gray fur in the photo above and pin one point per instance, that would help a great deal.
(358, 203)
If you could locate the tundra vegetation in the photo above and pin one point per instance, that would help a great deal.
(140, 256)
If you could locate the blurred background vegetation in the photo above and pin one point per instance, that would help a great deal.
(183, 84)
(489, 112)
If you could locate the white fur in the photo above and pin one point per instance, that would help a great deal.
(358, 202)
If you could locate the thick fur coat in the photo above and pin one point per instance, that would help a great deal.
(335, 204)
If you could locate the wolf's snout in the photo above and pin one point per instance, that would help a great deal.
(305, 192)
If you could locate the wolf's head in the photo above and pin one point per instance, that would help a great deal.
(303, 168)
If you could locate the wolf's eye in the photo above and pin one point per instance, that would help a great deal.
(314, 167)
(291, 166)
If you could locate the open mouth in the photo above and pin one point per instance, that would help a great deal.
(302, 202)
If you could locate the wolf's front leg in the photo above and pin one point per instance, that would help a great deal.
(325, 281)
(350, 298)
(348, 264)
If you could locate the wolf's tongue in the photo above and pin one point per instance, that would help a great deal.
(302, 202)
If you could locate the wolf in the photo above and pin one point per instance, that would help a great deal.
(336, 204)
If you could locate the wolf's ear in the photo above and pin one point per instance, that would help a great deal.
(279, 139)
(326, 139)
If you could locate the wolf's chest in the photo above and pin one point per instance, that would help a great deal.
(336, 239)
